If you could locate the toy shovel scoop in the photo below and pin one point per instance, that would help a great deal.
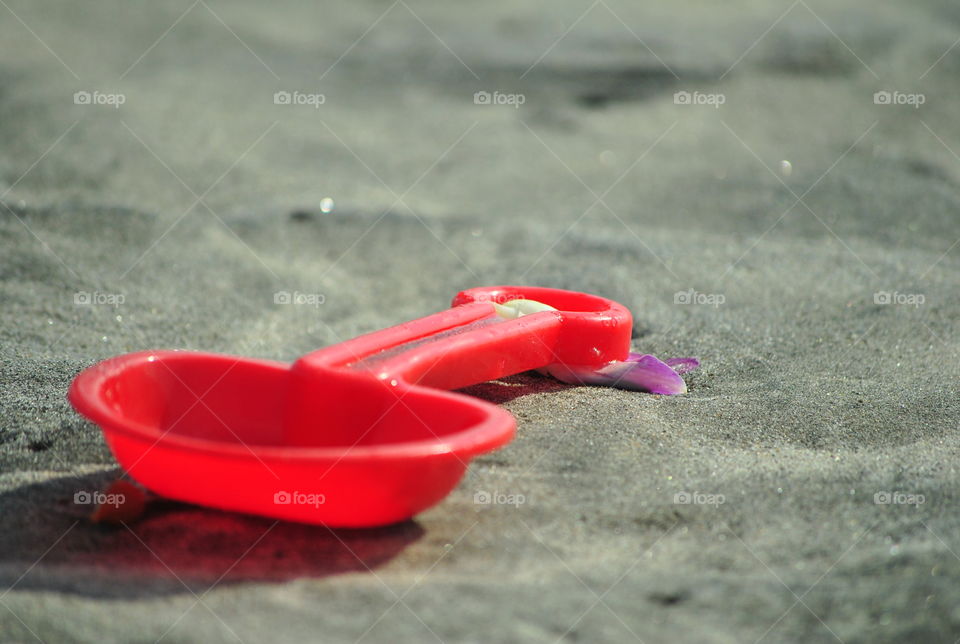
(361, 433)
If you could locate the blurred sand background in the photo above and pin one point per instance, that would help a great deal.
(199, 198)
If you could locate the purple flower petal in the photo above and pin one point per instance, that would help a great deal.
(683, 365)
(647, 373)
(636, 373)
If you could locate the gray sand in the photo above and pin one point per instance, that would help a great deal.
(199, 198)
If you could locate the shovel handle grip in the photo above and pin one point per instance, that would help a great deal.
(469, 343)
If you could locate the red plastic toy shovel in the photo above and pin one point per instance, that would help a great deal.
(357, 434)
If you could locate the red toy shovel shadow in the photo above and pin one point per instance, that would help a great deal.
(361, 433)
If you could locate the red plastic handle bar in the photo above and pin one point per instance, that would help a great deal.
(469, 343)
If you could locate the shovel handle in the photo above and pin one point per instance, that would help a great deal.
(469, 343)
